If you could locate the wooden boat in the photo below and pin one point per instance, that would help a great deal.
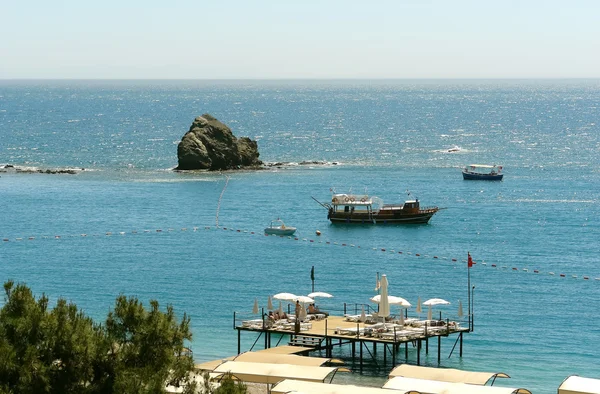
(482, 172)
(277, 227)
(351, 208)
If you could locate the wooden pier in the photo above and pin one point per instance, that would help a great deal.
(337, 331)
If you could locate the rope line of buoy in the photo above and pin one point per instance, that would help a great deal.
(482, 263)
(227, 177)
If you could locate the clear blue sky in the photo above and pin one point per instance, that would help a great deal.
(299, 39)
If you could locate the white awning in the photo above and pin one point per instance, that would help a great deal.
(578, 385)
(445, 374)
(297, 386)
(435, 387)
(273, 358)
(273, 373)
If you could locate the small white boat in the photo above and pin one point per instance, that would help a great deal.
(277, 227)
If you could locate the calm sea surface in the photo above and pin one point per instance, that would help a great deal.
(390, 138)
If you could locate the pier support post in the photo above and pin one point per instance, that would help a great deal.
(406, 351)
(419, 352)
(439, 349)
(461, 340)
(240, 338)
(361, 355)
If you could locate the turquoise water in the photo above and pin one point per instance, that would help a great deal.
(388, 136)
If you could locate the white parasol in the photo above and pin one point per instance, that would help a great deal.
(304, 299)
(319, 294)
(285, 296)
(392, 300)
(434, 301)
(419, 310)
(384, 304)
(255, 309)
(460, 310)
(280, 310)
(363, 316)
(270, 304)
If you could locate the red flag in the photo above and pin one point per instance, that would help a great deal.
(470, 261)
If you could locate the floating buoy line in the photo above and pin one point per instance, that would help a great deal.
(480, 265)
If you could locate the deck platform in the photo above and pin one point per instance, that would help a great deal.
(327, 333)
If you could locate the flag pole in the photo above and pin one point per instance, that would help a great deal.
(469, 263)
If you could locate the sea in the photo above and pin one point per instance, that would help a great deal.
(126, 223)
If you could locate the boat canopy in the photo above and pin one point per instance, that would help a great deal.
(486, 166)
(445, 374)
(351, 199)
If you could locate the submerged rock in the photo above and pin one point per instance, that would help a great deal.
(210, 145)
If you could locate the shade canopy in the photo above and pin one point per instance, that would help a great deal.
(285, 296)
(270, 373)
(274, 358)
(320, 294)
(445, 374)
(297, 386)
(424, 386)
(392, 300)
(578, 385)
(436, 301)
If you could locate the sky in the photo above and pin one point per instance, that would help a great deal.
(303, 39)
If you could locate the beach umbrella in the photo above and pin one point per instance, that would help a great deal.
(320, 294)
(384, 305)
(255, 309)
(285, 296)
(302, 314)
(304, 299)
(270, 304)
(419, 310)
(436, 301)
(460, 310)
(280, 311)
(363, 316)
(401, 319)
(392, 300)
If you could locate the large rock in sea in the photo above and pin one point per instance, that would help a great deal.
(210, 145)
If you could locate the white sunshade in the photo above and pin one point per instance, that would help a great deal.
(304, 299)
(578, 385)
(274, 358)
(435, 387)
(273, 373)
(384, 305)
(297, 386)
(285, 296)
(436, 301)
(445, 374)
(393, 300)
(320, 294)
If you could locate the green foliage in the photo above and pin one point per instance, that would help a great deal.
(227, 385)
(61, 350)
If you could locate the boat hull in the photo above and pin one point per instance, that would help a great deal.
(280, 231)
(417, 218)
(482, 177)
